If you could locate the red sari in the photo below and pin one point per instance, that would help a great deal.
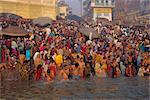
(53, 68)
(38, 75)
(3, 56)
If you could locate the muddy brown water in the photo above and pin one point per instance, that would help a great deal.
(123, 88)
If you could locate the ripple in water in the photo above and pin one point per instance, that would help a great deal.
(98, 89)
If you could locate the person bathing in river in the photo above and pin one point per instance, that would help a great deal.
(22, 68)
(87, 72)
(64, 73)
(39, 72)
(76, 75)
(117, 72)
(53, 68)
(81, 67)
(130, 71)
(49, 75)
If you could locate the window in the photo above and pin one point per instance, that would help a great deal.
(97, 2)
(99, 14)
(113, 1)
(106, 14)
(62, 14)
(106, 2)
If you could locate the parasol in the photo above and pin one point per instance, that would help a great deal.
(42, 21)
(88, 30)
(104, 21)
(74, 18)
(14, 31)
(10, 15)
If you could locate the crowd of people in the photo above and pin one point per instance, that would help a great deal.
(61, 52)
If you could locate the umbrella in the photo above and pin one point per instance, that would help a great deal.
(88, 30)
(42, 21)
(10, 15)
(104, 21)
(14, 31)
(59, 18)
(3, 15)
(13, 16)
(74, 18)
(73, 23)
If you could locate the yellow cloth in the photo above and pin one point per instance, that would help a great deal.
(59, 59)
(97, 70)
(104, 66)
(97, 66)
(22, 58)
(97, 58)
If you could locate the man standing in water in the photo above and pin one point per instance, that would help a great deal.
(64, 73)
(76, 75)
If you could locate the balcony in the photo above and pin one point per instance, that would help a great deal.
(95, 3)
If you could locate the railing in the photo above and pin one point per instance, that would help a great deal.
(94, 3)
(102, 5)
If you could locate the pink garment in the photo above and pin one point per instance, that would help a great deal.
(42, 48)
(3, 56)
(14, 51)
(83, 48)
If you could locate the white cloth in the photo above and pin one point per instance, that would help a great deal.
(141, 72)
(48, 31)
(90, 36)
(115, 41)
(14, 44)
(88, 42)
(35, 55)
(45, 66)
(31, 37)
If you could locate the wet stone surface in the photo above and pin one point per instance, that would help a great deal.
(98, 89)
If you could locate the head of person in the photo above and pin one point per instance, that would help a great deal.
(81, 59)
(48, 71)
(39, 67)
(76, 65)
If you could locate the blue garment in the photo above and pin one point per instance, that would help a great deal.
(28, 54)
(75, 34)
(147, 49)
(62, 34)
(139, 58)
(76, 77)
(142, 47)
(52, 34)
(78, 48)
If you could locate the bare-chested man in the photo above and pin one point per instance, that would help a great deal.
(63, 74)
(76, 74)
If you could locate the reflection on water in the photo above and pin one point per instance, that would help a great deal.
(97, 89)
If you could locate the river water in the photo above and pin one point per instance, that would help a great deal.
(123, 88)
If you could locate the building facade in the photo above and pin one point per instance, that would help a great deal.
(63, 9)
(144, 15)
(102, 9)
(132, 11)
(30, 8)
